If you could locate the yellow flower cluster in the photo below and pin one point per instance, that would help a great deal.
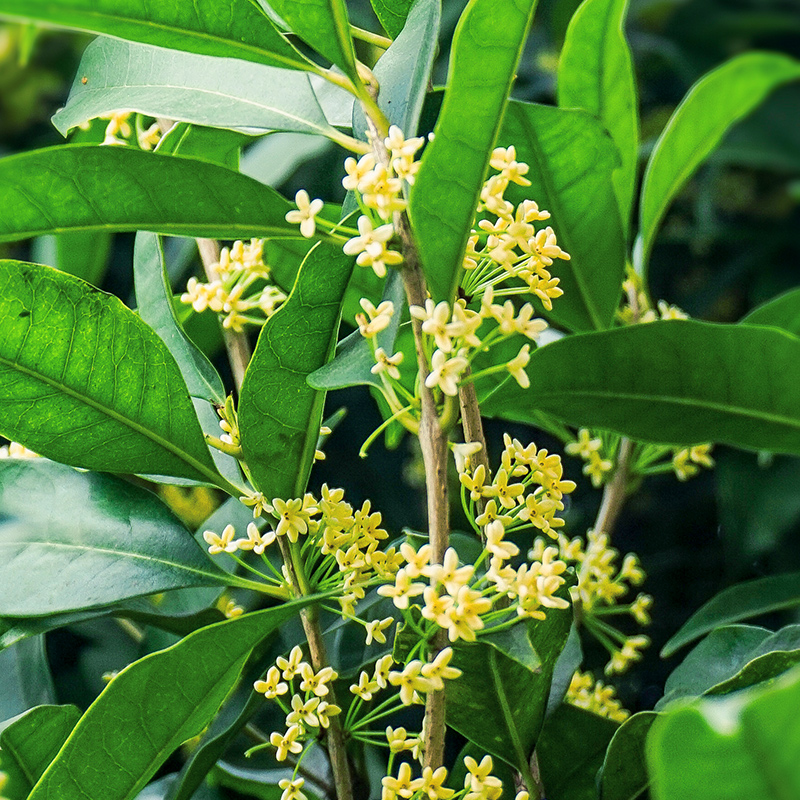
(239, 290)
(308, 710)
(638, 308)
(510, 246)
(585, 692)
(119, 131)
(687, 461)
(527, 491)
(590, 449)
(479, 783)
(601, 583)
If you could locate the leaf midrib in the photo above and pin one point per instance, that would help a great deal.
(117, 417)
(500, 693)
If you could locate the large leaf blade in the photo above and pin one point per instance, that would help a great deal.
(782, 311)
(392, 14)
(86, 187)
(84, 381)
(595, 72)
(678, 382)
(91, 540)
(154, 705)
(454, 165)
(204, 90)
(713, 104)
(572, 162)
(279, 412)
(235, 29)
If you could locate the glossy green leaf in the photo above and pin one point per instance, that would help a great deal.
(571, 750)
(782, 311)
(279, 413)
(91, 540)
(354, 359)
(624, 773)
(325, 26)
(237, 29)
(744, 746)
(742, 601)
(595, 72)
(486, 49)
(34, 738)
(404, 70)
(84, 254)
(152, 706)
(85, 187)
(713, 104)
(26, 678)
(217, 145)
(515, 694)
(572, 161)
(679, 382)
(728, 655)
(392, 14)
(84, 381)
(224, 93)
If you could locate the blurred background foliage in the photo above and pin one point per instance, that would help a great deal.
(731, 241)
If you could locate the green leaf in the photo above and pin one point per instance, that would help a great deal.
(26, 678)
(713, 104)
(595, 72)
(84, 381)
(154, 705)
(223, 93)
(404, 70)
(571, 750)
(392, 14)
(515, 695)
(624, 772)
(487, 46)
(279, 413)
(677, 382)
(572, 162)
(354, 359)
(728, 655)
(782, 311)
(742, 601)
(742, 746)
(237, 29)
(325, 26)
(217, 145)
(108, 541)
(32, 740)
(83, 254)
(86, 187)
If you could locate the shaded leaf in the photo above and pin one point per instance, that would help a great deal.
(217, 145)
(731, 748)
(571, 750)
(677, 382)
(84, 381)
(32, 740)
(782, 311)
(90, 540)
(742, 601)
(84, 254)
(392, 14)
(152, 706)
(86, 187)
(572, 162)
(454, 165)
(324, 25)
(624, 773)
(595, 72)
(223, 93)
(26, 678)
(236, 30)
(713, 104)
(279, 413)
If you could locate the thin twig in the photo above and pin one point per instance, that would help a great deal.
(615, 490)
(236, 344)
(472, 425)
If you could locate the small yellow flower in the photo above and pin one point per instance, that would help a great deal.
(403, 589)
(640, 609)
(302, 712)
(410, 680)
(462, 453)
(365, 688)
(317, 682)
(479, 780)
(494, 533)
(432, 784)
(293, 520)
(255, 541)
(445, 372)
(401, 786)
(291, 789)
(221, 544)
(475, 483)
(416, 561)
(305, 214)
(382, 667)
(291, 666)
(435, 320)
(387, 364)
(448, 573)
(376, 319)
(396, 737)
(375, 630)
(439, 670)
(517, 366)
(325, 711)
(272, 686)
(286, 743)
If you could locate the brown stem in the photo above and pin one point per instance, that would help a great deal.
(615, 490)
(536, 778)
(309, 616)
(236, 344)
(473, 428)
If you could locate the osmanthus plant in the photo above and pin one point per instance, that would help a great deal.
(490, 266)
